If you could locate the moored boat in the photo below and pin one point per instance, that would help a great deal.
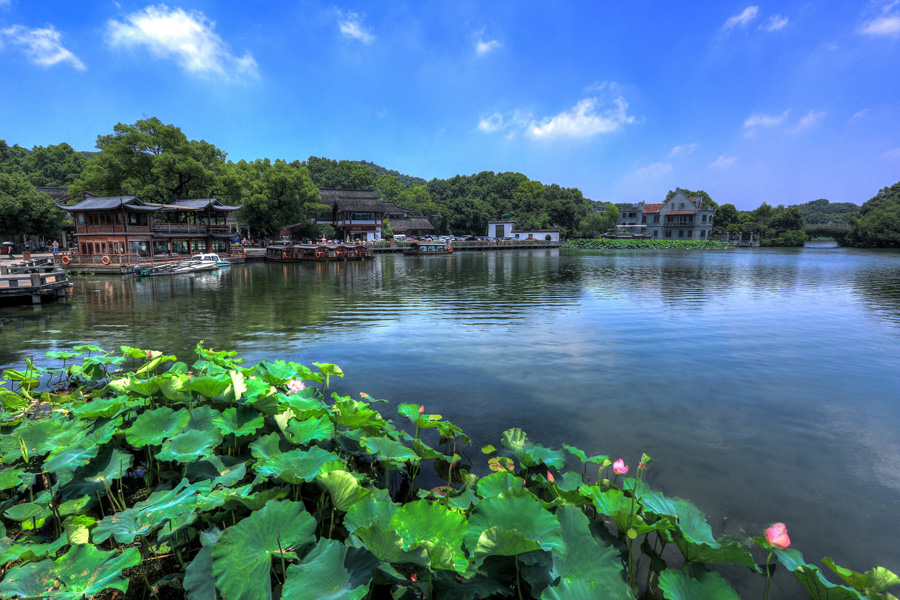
(428, 248)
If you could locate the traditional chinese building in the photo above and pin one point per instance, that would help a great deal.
(360, 214)
(125, 230)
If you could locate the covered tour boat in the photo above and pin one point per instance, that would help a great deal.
(428, 248)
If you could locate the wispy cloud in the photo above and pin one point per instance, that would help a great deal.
(483, 47)
(596, 115)
(859, 114)
(42, 46)
(654, 171)
(723, 162)
(809, 120)
(774, 23)
(757, 120)
(188, 38)
(740, 20)
(886, 23)
(351, 26)
(683, 150)
(892, 155)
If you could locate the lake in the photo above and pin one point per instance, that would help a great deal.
(765, 383)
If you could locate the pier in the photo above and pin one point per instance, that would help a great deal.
(37, 280)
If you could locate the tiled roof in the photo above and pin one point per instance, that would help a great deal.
(652, 208)
(680, 212)
(112, 202)
(203, 203)
(411, 223)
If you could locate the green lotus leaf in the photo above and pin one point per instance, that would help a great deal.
(239, 420)
(62, 354)
(26, 511)
(255, 389)
(210, 386)
(188, 446)
(582, 589)
(426, 452)
(689, 519)
(614, 504)
(531, 455)
(105, 408)
(110, 464)
(875, 581)
(304, 404)
(170, 508)
(199, 581)
(811, 579)
(306, 431)
(31, 580)
(259, 499)
(499, 484)
(433, 527)
(129, 352)
(517, 524)
(298, 466)
(343, 488)
(329, 573)
(72, 457)
(242, 558)
(219, 470)
(600, 459)
(423, 421)
(34, 435)
(13, 400)
(86, 571)
(329, 369)
(154, 426)
(276, 373)
(725, 552)
(142, 387)
(696, 584)
(174, 387)
(375, 507)
(356, 415)
(87, 348)
(10, 478)
(154, 363)
(28, 551)
(78, 529)
(204, 418)
(463, 500)
(385, 449)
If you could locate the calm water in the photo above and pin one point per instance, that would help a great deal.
(765, 383)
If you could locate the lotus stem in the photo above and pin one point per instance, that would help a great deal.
(331, 527)
(768, 576)
(100, 503)
(518, 581)
(281, 551)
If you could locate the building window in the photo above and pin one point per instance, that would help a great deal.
(681, 233)
(81, 218)
(681, 206)
(690, 233)
(668, 233)
(703, 219)
(139, 219)
(656, 218)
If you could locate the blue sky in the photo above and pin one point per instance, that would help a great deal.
(784, 102)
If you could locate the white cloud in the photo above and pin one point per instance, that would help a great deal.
(775, 23)
(42, 46)
(741, 20)
(495, 122)
(859, 114)
(756, 121)
(883, 25)
(654, 171)
(482, 47)
(683, 150)
(351, 26)
(892, 155)
(188, 38)
(811, 119)
(723, 162)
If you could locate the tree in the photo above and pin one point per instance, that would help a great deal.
(54, 166)
(25, 211)
(726, 216)
(153, 161)
(275, 195)
(600, 222)
(707, 201)
(386, 230)
(786, 219)
(877, 225)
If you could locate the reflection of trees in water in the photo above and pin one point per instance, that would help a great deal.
(879, 288)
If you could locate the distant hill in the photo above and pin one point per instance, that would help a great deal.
(407, 180)
(823, 212)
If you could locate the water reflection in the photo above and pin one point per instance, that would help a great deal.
(763, 382)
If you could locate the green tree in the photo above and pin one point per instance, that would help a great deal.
(707, 201)
(786, 219)
(726, 216)
(25, 211)
(386, 230)
(275, 195)
(877, 225)
(600, 222)
(153, 161)
(54, 166)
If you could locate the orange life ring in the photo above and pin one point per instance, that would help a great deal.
(65, 260)
(320, 254)
(284, 254)
(105, 260)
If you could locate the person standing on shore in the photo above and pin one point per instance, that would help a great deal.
(55, 247)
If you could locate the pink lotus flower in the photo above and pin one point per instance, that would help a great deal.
(777, 536)
(619, 467)
(421, 409)
(294, 386)
(550, 477)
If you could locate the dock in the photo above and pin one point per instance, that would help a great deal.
(35, 280)
(487, 245)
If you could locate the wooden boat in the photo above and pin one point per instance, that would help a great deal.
(428, 248)
(317, 253)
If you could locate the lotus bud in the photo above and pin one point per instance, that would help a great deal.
(550, 477)
(421, 409)
(777, 536)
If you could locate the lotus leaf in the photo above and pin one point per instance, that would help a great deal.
(154, 363)
(276, 373)
(174, 387)
(188, 446)
(436, 529)
(31, 580)
(600, 459)
(725, 552)
(26, 511)
(12, 400)
(375, 507)
(464, 500)
(142, 387)
(328, 370)
(105, 408)
(696, 584)
(110, 464)
(328, 573)
(219, 470)
(28, 551)
(78, 529)
(199, 581)
(343, 488)
(153, 426)
(303, 404)
(689, 519)
(173, 508)
(811, 579)
(357, 415)
(242, 558)
(210, 386)
(875, 581)
(306, 431)
(73, 456)
(239, 421)
(614, 504)
(259, 499)
(511, 525)
(500, 484)
(423, 421)
(10, 478)
(385, 449)
(34, 435)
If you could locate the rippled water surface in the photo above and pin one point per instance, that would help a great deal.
(765, 383)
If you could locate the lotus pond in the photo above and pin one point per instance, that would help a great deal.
(220, 480)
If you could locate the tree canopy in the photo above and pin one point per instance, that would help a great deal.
(25, 211)
(274, 195)
(877, 224)
(50, 166)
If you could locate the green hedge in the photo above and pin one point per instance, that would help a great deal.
(630, 244)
